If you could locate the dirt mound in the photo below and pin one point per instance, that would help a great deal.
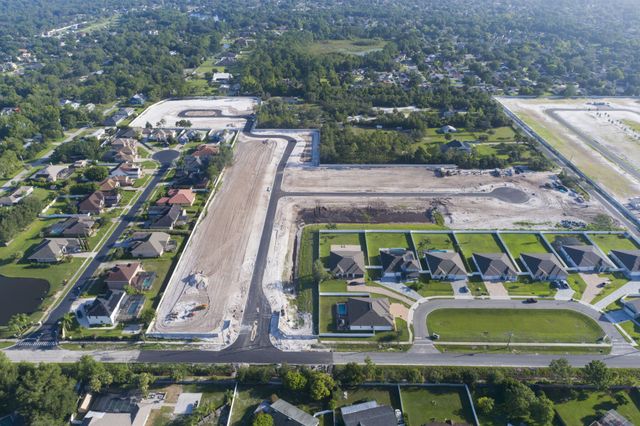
(370, 214)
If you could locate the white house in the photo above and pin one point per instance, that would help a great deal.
(104, 310)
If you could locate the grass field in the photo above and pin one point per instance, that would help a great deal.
(426, 242)
(588, 406)
(477, 243)
(632, 329)
(425, 405)
(376, 241)
(608, 242)
(556, 238)
(523, 243)
(531, 326)
(503, 349)
(524, 287)
(427, 288)
(384, 395)
(359, 47)
(577, 284)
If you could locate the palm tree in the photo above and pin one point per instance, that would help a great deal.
(67, 322)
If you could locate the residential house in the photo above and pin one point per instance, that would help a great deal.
(171, 217)
(148, 244)
(543, 266)
(364, 314)
(123, 275)
(285, 414)
(16, 196)
(221, 77)
(52, 250)
(585, 258)
(128, 170)
(612, 418)
(180, 197)
(632, 305)
(369, 414)
(120, 115)
(104, 310)
(206, 151)
(74, 227)
(399, 264)
(445, 265)
(495, 267)
(447, 129)
(109, 184)
(93, 204)
(124, 150)
(346, 261)
(164, 136)
(457, 146)
(629, 261)
(137, 99)
(54, 172)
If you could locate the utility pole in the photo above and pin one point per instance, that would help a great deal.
(510, 336)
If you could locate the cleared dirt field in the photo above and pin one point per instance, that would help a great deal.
(204, 113)
(592, 133)
(222, 249)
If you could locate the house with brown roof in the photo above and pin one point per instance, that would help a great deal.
(148, 244)
(109, 184)
(123, 275)
(93, 204)
(180, 197)
(206, 150)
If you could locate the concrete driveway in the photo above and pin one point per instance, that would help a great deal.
(461, 290)
(496, 290)
(592, 290)
(632, 287)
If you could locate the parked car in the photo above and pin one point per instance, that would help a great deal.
(530, 300)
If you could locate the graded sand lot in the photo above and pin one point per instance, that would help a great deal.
(204, 113)
(592, 134)
(222, 249)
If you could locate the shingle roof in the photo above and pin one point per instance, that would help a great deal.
(47, 250)
(151, 241)
(546, 264)
(630, 259)
(368, 414)
(367, 311)
(296, 415)
(398, 260)
(123, 272)
(494, 264)
(169, 218)
(346, 260)
(445, 263)
(585, 256)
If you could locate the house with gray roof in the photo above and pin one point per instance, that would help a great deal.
(543, 266)
(53, 172)
(169, 218)
(399, 264)
(285, 414)
(104, 310)
(16, 196)
(495, 267)
(368, 414)
(148, 244)
(629, 261)
(632, 305)
(82, 226)
(346, 261)
(52, 250)
(445, 265)
(456, 145)
(364, 314)
(586, 258)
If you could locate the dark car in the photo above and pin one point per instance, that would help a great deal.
(531, 300)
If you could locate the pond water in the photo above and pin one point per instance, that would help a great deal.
(18, 295)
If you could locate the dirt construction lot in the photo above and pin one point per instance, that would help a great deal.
(211, 281)
(599, 136)
(204, 113)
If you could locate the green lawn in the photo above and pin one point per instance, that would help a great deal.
(327, 240)
(426, 242)
(632, 124)
(384, 395)
(427, 288)
(330, 286)
(608, 242)
(424, 405)
(632, 329)
(617, 280)
(553, 238)
(589, 406)
(306, 291)
(477, 243)
(524, 287)
(530, 326)
(211, 392)
(376, 241)
(523, 243)
(325, 314)
(359, 46)
(577, 284)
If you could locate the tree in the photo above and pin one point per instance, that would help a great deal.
(142, 382)
(518, 398)
(541, 410)
(66, 322)
(18, 324)
(44, 392)
(485, 405)
(8, 379)
(178, 372)
(96, 173)
(352, 374)
(263, 419)
(148, 315)
(561, 371)
(321, 385)
(294, 380)
(597, 374)
(319, 272)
